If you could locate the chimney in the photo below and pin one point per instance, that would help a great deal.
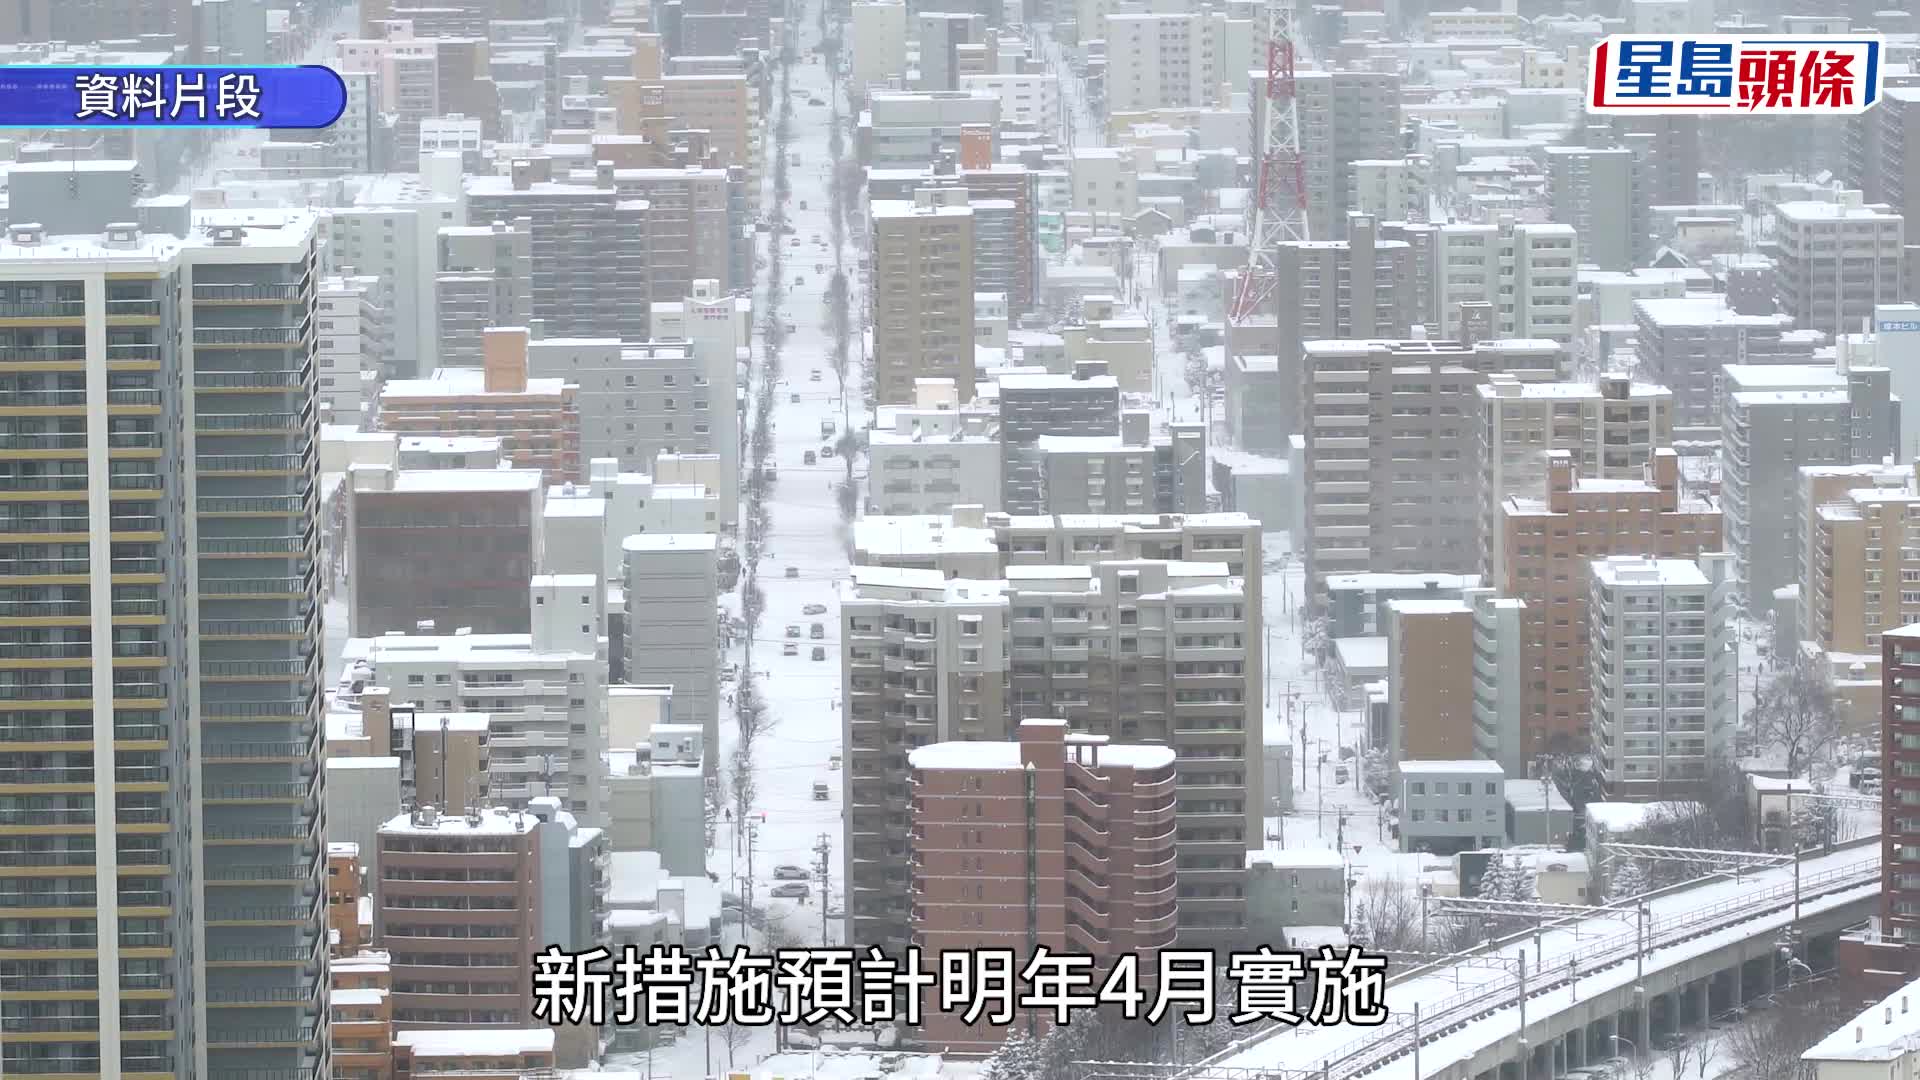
(504, 357)
(522, 174)
(123, 235)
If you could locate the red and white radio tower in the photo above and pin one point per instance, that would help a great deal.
(1280, 200)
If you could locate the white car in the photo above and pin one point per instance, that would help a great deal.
(789, 872)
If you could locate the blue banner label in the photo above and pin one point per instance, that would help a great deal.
(309, 96)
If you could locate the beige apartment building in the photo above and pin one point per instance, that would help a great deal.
(1392, 443)
(1610, 427)
(1141, 648)
(726, 106)
(1550, 541)
(923, 294)
(1430, 680)
(1862, 567)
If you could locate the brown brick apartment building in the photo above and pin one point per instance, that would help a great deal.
(1060, 840)
(538, 419)
(1550, 546)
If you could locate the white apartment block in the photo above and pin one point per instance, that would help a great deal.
(1392, 189)
(1611, 427)
(355, 348)
(720, 328)
(392, 231)
(1158, 60)
(1838, 261)
(1469, 24)
(879, 46)
(1662, 672)
(1105, 184)
(1526, 271)
(1498, 676)
(583, 524)
(1027, 99)
(932, 457)
(672, 629)
(545, 690)
(901, 126)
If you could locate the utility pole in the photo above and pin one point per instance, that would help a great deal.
(822, 867)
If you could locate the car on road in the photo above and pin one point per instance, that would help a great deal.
(815, 377)
(814, 609)
(816, 102)
(816, 631)
(819, 653)
(808, 459)
(790, 890)
(789, 872)
(827, 450)
(798, 281)
(793, 630)
(795, 242)
(791, 648)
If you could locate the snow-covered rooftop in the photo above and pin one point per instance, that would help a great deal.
(1456, 766)
(1295, 858)
(477, 1042)
(1884, 1031)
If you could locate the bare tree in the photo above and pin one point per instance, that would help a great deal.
(1386, 915)
(1704, 1052)
(741, 787)
(735, 1038)
(1679, 1055)
(1768, 1046)
(1795, 712)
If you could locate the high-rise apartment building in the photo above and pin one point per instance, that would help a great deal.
(1524, 269)
(1345, 116)
(591, 250)
(1082, 826)
(1883, 150)
(1661, 672)
(1775, 420)
(1899, 742)
(1359, 287)
(949, 684)
(636, 400)
(1683, 342)
(1159, 60)
(1550, 540)
(1862, 574)
(1037, 406)
(1837, 260)
(672, 636)
(1099, 609)
(941, 35)
(356, 349)
(1610, 426)
(1594, 191)
(503, 884)
(160, 626)
(1390, 483)
(1430, 676)
(923, 295)
(484, 277)
(455, 547)
(545, 691)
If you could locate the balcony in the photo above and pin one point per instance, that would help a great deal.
(253, 628)
(249, 464)
(253, 546)
(258, 752)
(44, 309)
(262, 1037)
(234, 588)
(276, 874)
(241, 794)
(235, 670)
(277, 293)
(244, 381)
(264, 955)
(262, 832)
(247, 336)
(250, 505)
(270, 915)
